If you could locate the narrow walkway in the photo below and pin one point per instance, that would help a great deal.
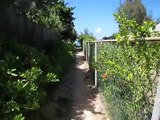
(87, 104)
(75, 98)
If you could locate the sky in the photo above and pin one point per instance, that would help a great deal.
(97, 15)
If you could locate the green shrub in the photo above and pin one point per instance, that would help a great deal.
(19, 90)
(130, 66)
(24, 70)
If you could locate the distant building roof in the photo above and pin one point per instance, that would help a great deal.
(157, 27)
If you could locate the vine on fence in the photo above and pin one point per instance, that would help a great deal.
(128, 70)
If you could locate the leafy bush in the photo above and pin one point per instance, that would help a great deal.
(128, 70)
(24, 70)
(86, 36)
(54, 15)
(19, 90)
(60, 56)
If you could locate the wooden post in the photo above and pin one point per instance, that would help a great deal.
(88, 55)
(87, 51)
(83, 47)
(96, 76)
(156, 108)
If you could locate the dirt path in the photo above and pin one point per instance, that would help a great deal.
(75, 98)
(86, 104)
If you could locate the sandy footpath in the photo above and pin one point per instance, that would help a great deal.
(87, 104)
(75, 98)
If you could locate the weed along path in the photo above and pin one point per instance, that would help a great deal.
(75, 98)
(86, 103)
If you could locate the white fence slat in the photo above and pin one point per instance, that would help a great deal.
(156, 108)
(96, 77)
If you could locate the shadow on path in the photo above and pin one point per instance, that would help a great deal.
(73, 99)
(84, 94)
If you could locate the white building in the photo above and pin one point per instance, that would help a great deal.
(157, 27)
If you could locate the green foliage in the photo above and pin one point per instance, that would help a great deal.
(19, 117)
(52, 77)
(130, 67)
(57, 16)
(134, 10)
(53, 14)
(86, 36)
(131, 31)
(24, 70)
(19, 89)
(155, 34)
(110, 37)
(63, 57)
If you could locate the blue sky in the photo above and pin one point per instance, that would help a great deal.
(97, 15)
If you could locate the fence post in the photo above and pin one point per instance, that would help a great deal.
(156, 108)
(86, 46)
(96, 76)
(88, 54)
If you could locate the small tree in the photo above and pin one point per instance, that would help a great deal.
(86, 36)
(109, 37)
(134, 10)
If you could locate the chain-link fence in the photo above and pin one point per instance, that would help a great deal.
(92, 49)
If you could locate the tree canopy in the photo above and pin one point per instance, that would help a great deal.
(54, 14)
(109, 37)
(86, 36)
(134, 9)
